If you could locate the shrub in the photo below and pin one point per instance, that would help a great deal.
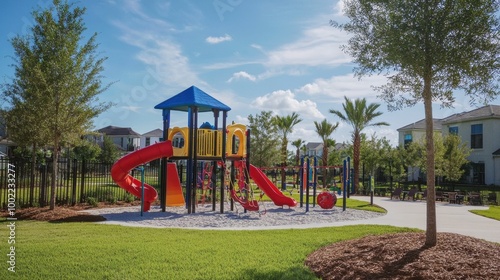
(128, 198)
(92, 201)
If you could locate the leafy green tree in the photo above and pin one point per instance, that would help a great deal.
(450, 155)
(264, 140)
(109, 151)
(454, 157)
(57, 79)
(285, 126)
(324, 129)
(359, 115)
(428, 49)
(86, 150)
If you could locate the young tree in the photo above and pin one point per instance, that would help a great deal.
(58, 78)
(428, 49)
(264, 141)
(454, 157)
(324, 130)
(285, 126)
(360, 116)
(109, 151)
(86, 150)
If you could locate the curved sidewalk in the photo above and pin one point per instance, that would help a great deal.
(454, 218)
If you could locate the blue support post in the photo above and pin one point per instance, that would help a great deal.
(307, 184)
(141, 168)
(315, 180)
(301, 187)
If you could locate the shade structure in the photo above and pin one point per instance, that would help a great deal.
(192, 97)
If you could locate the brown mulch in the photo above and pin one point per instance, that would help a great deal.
(59, 214)
(404, 256)
(64, 214)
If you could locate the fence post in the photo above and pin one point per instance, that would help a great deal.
(82, 181)
(73, 191)
(43, 185)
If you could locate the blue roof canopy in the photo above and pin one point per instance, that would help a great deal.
(191, 97)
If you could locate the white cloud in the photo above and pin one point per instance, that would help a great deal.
(283, 102)
(131, 108)
(217, 40)
(162, 56)
(318, 46)
(346, 85)
(381, 132)
(242, 75)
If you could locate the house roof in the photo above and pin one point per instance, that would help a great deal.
(115, 130)
(154, 133)
(488, 111)
(437, 123)
(192, 97)
(313, 145)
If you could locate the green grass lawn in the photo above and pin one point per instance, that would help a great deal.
(91, 251)
(493, 212)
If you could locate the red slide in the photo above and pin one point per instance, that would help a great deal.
(269, 188)
(120, 170)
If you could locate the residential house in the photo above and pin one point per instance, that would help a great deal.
(416, 131)
(5, 143)
(151, 137)
(314, 149)
(480, 129)
(124, 137)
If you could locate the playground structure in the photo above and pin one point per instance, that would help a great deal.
(227, 147)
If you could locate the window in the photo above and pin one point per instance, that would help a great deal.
(453, 130)
(476, 136)
(148, 141)
(408, 139)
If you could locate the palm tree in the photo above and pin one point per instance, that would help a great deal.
(285, 126)
(298, 144)
(324, 130)
(359, 115)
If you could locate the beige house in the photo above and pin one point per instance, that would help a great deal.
(151, 137)
(124, 137)
(479, 128)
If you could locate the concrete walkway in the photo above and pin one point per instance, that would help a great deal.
(454, 218)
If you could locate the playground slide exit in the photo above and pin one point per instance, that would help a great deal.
(270, 189)
(120, 170)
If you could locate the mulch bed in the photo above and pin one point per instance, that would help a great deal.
(404, 256)
(65, 214)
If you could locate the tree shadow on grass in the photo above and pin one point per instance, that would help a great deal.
(80, 219)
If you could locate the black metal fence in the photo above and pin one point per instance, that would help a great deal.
(77, 182)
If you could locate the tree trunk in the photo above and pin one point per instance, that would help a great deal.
(32, 177)
(431, 232)
(356, 148)
(55, 159)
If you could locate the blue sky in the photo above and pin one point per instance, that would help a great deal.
(273, 55)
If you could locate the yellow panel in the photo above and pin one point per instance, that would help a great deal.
(239, 131)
